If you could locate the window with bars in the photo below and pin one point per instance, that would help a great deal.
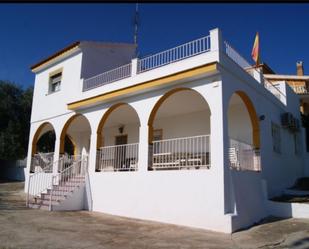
(55, 82)
(276, 136)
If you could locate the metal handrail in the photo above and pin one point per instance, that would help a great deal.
(122, 157)
(180, 52)
(34, 175)
(181, 153)
(107, 77)
(60, 181)
(243, 63)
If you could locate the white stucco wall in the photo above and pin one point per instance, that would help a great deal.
(215, 199)
(185, 125)
(101, 58)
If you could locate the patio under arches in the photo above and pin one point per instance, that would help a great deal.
(118, 139)
(244, 133)
(74, 140)
(179, 131)
(43, 147)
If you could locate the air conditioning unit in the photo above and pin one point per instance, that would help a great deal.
(286, 119)
(295, 125)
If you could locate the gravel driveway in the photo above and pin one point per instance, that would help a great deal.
(21, 227)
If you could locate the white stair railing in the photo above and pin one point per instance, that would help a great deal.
(243, 156)
(39, 181)
(66, 180)
(180, 153)
(41, 161)
(118, 158)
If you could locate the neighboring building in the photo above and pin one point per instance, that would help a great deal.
(298, 82)
(186, 136)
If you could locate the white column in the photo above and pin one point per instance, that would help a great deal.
(143, 147)
(29, 157)
(216, 42)
(92, 153)
(56, 154)
(134, 67)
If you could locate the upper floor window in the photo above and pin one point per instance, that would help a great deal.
(55, 82)
(276, 136)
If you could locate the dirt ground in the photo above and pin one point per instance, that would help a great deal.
(21, 227)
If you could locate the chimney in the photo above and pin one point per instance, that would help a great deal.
(299, 68)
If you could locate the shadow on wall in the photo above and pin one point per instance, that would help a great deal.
(88, 205)
(13, 170)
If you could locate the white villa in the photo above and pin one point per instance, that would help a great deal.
(193, 135)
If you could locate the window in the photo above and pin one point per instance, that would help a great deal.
(276, 135)
(157, 134)
(55, 82)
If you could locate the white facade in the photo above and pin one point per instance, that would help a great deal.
(209, 95)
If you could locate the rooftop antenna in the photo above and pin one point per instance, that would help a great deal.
(136, 23)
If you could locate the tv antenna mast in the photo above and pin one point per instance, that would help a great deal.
(136, 23)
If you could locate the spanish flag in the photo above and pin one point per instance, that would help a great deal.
(256, 50)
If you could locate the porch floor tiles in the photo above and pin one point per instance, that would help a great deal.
(21, 227)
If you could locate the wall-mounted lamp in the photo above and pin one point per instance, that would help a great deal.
(120, 129)
(262, 117)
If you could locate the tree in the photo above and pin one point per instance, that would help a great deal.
(15, 112)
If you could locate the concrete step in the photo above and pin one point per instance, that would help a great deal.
(40, 201)
(38, 206)
(54, 197)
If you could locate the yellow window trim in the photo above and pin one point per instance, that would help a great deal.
(143, 86)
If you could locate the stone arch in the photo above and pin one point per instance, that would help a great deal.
(65, 129)
(254, 119)
(105, 118)
(159, 103)
(37, 135)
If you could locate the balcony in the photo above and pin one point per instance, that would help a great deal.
(184, 52)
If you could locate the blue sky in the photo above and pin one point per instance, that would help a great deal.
(31, 32)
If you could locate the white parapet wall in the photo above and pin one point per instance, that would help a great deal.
(288, 210)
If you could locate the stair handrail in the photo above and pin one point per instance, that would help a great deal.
(78, 168)
(31, 177)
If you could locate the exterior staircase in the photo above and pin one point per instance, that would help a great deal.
(53, 192)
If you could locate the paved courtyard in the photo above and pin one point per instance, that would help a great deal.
(28, 228)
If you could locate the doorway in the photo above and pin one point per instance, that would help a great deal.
(120, 152)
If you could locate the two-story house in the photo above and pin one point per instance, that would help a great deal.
(192, 135)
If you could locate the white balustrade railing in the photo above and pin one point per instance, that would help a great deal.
(300, 89)
(236, 57)
(181, 153)
(41, 161)
(110, 76)
(242, 62)
(181, 52)
(243, 156)
(118, 158)
(66, 180)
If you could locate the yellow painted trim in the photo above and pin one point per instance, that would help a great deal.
(36, 137)
(64, 131)
(102, 122)
(59, 70)
(74, 144)
(143, 86)
(158, 105)
(52, 60)
(253, 117)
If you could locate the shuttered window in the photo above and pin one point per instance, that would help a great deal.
(55, 82)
